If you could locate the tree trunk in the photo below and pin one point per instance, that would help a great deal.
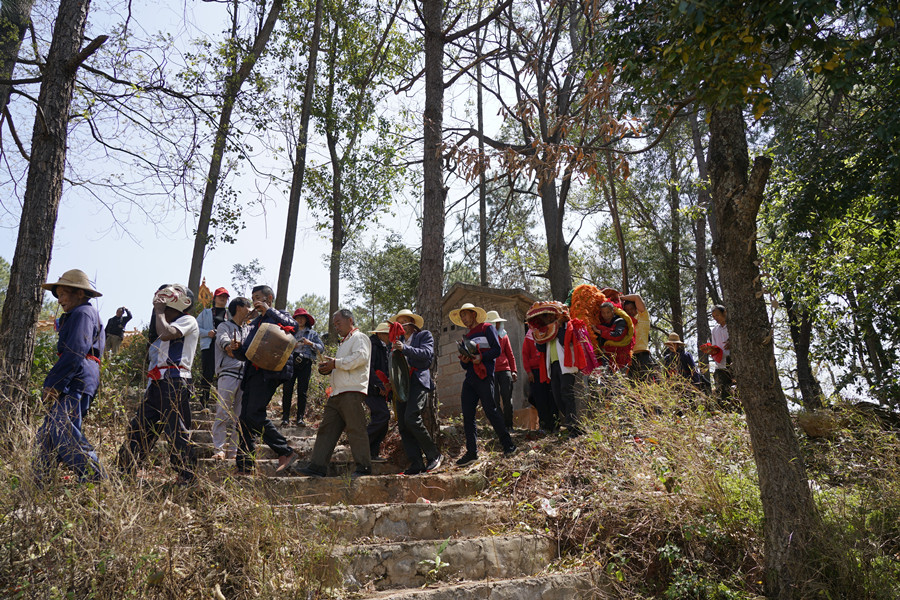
(233, 85)
(791, 523)
(674, 263)
(482, 187)
(559, 272)
(14, 18)
(701, 260)
(40, 205)
(293, 212)
(431, 267)
(613, 203)
(800, 325)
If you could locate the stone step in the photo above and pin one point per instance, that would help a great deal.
(410, 564)
(266, 468)
(552, 586)
(434, 487)
(408, 521)
(302, 439)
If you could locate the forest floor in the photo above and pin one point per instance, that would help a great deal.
(659, 498)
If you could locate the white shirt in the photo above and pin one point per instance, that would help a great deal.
(351, 365)
(178, 352)
(719, 338)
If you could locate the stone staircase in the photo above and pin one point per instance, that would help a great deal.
(427, 536)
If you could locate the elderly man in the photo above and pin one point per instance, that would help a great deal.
(349, 371)
(71, 384)
(418, 349)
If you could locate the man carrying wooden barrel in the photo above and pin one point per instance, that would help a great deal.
(259, 386)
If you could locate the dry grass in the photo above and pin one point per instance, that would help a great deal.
(662, 496)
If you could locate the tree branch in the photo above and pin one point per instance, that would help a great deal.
(471, 28)
(12, 130)
(86, 52)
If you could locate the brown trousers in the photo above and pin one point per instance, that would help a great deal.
(343, 412)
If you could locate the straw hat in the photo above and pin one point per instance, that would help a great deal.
(494, 317)
(74, 278)
(382, 328)
(480, 314)
(418, 320)
(674, 340)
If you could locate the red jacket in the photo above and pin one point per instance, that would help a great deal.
(507, 360)
(530, 355)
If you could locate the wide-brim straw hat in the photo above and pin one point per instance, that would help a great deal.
(494, 317)
(74, 278)
(382, 328)
(417, 319)
(674, 340)
(480, 314)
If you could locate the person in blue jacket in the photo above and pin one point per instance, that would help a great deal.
(259, 386)
(72, 383)
(479, 381)
(418, 348)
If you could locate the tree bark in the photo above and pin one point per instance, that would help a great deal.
(293, 212)
(559, 271)
(673, 265)
(613, 203)
(482, 187)
(791, 523)
(701, 261)
(431, 266)
(800, 325)
(40, 206)
(14, 18)
(233, 85)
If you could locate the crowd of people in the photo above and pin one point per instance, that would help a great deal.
(248, 349)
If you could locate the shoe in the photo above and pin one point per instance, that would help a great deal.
(414, 471)
(468, 457)
(311, 471)
(220, 455)
(243, 473)
(286, 461)
(361, 472)
(509, 451)
(379, 459)
(435, 464)
(300, 423)
(284, 423)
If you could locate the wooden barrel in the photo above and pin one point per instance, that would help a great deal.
(271, 347)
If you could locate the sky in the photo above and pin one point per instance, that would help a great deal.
(127, 261)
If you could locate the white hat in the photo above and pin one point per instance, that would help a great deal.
(382, 328)
(418, 320)
(480, 314)
(494, 317)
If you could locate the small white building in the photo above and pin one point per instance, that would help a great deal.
(511, 304)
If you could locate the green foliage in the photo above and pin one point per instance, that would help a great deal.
(244, 277)
(384, 276)
(315, 305)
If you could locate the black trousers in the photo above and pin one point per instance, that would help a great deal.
(473, 391)
(415, 437)
(166, 409)
(208, 373)
(258, 392)
(302, 373)
(563, 386)
(380, 417)
(724, 389)
(503, 390)
(642, 367)
(542, 398)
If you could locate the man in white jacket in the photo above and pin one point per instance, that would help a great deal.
(345, 409)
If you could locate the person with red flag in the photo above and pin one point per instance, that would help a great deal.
(720, 351)
(417, 346)
(479, 347)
